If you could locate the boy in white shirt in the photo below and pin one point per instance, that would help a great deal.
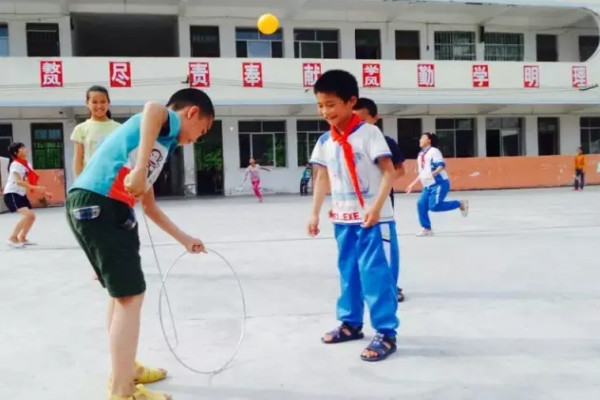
(358, 162)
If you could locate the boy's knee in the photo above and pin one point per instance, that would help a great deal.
(29, 215)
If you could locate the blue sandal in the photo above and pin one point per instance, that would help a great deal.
(339, 335)
(378, 345)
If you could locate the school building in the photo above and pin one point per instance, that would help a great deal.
(510, 86)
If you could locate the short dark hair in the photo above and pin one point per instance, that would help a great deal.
(337, 82)
(192, 97)
(367, 104)
(432, 137)
(13, 150)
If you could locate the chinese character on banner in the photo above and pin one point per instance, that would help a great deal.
(531, 76)
(579, 76)
(371, 75)
(51, 73)
(481, 76)
(426, 75)
(310, 73)
(252, 74)
(120, 74)
(199, 74)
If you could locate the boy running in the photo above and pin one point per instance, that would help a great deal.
(100, 213)
(305, 180)
(367, 110)
(357, 160)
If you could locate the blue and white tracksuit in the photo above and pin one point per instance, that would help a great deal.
(368, 258)
(435, 189)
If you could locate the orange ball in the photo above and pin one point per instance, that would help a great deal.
(268, 24)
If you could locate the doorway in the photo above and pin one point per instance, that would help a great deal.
(170, 182)
(208, 152)
(409, 132)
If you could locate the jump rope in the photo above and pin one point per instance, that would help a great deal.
(163, 291)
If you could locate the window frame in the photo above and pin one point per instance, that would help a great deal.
(520, 135)
(321, 42)
(398, 44)
(6, 39)
(587, 47)
(322, 127)
(456, 128)
(586, 126)
(439, 54)
(263, 132)
(61, 142)
(212, 53)
(555, 133)
(503, 49)
(261, 38)
(37, 50)
(368, 47)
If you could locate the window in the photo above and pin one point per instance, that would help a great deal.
(548, 136)
(43, 40)
(367, 43)
(264, 141)
(4, 41)
(456, 137)
(504, 137)
(6, 138)
(309, 132)
(454, 45)
(47, 146)
(409, 133)
(504, 46)
(587, 47)
(546, 48)
(249, 42)
(205, 41)
(590, 135)
(408, 45)
(316, 43)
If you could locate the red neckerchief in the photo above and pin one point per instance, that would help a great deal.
(423, 153)
(32, 177)
(342, 140)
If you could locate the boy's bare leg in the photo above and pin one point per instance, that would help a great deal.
(124, 336)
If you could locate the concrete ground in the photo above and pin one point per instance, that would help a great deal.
(503, 305)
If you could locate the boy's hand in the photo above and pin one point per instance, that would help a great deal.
(409, 189)
(313, 226)
(194, 245)
(371, 217)
(135, 182)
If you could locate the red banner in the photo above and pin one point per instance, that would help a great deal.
(531, 76)
(480, 75)
(426, 75)
(199, 74)
(579, 76)
(120, 74)
(310, 73)
(252, 74)
(51, 73)
(371, 74)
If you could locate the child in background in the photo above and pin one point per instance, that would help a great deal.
(100, 213)
(436, 184)
(21, 179)
(306, 176)
(357, 160)
(253, 171)
(579, 169)
(367, 110)
(88, 135)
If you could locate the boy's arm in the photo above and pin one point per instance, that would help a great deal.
(153, 211)
(320, 186)
(387, 180)
(153, 118)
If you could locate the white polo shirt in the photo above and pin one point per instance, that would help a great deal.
(369, 145)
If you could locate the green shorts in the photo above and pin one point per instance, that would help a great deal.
(108, 234)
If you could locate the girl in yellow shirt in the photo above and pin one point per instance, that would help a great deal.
(88, 135)
(579, 169)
